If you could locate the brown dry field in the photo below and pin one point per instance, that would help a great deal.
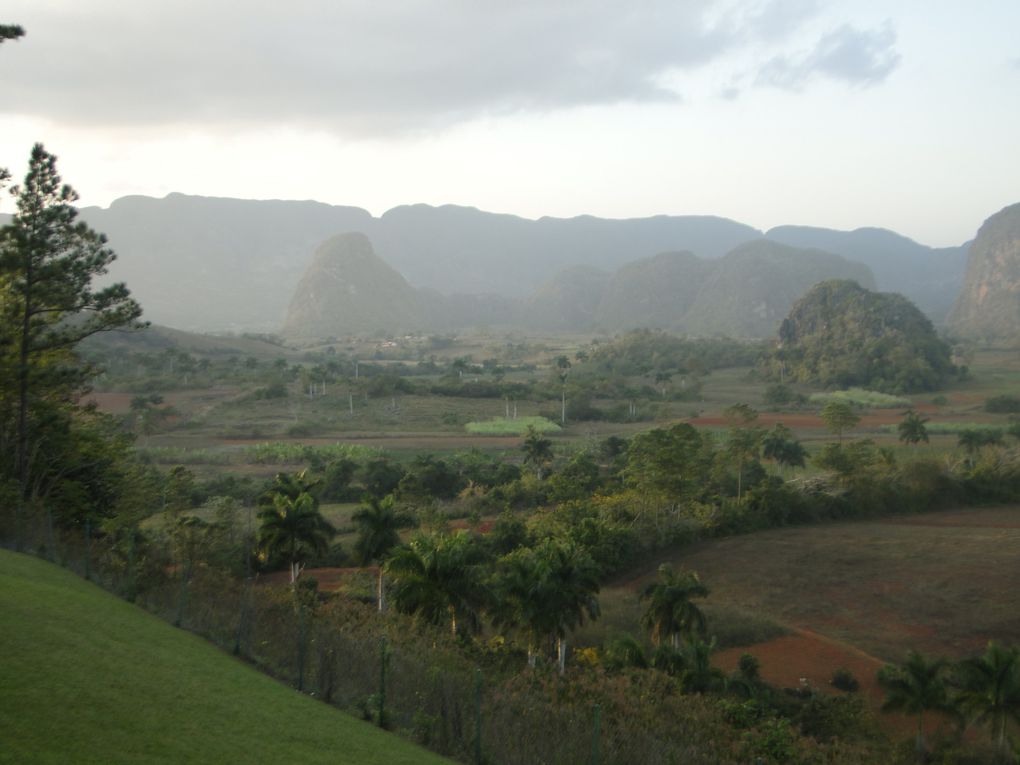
(196, 400)
(871, 419)
(942, 583)
(859, 595)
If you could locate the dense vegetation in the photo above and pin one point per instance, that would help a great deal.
(841, 335)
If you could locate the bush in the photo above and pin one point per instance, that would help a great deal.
(274, 390)
(844, 680)
(1004, 404)
(783, 395)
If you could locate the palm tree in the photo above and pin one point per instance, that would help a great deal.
(545, 592)
(912, 429)
(378, 523)
(916, 687)
(971, 440)
(568, 585)
(990, 690)
(670, 613)
(435, 577)
(295, 528)
(743, 445)
(513, 605)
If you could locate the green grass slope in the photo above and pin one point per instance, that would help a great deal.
(87, 678)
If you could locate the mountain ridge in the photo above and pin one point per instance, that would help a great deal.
(228, 264)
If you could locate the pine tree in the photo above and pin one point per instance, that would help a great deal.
(48, 261)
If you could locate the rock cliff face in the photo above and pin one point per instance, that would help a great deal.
(348, 289)
(988, 308)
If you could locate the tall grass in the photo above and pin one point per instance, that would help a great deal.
(502, 426)
(176, 455)
(283, 453)
(861, 397)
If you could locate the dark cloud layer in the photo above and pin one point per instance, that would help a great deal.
(370, 66)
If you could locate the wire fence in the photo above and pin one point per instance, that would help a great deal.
(413, 679)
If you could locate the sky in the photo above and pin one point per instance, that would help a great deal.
(902, 114)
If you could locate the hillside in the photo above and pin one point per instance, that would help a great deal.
(752, 288)
(839, 335)
(929, 277)
(989, 304)
(88, 678)
(348, 290)
(568, 301)
(745, 293)
(199, 263)
(652, 292)
(157, 339)
(216, 264)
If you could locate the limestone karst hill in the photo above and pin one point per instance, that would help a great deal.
(988, 307)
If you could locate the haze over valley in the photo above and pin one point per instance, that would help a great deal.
(233, 265)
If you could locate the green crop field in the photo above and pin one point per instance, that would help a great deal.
(502, 426)
(88, 678)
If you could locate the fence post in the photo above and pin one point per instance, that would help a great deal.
(301, 647)
(383, 658)
(245, 595)
(183, 598)
(88, 548)
(478, 717)
(596, 734)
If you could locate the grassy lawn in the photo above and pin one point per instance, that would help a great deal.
(87, 678)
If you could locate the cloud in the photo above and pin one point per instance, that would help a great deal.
(854, 56)
(371, 68)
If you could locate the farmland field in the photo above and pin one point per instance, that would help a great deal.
(941, 583)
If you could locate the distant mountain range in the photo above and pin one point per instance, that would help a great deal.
(348, 289)
(204, 263)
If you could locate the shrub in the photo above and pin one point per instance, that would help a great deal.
(1004, 404)
(782, 395)
(844, 680)
(274, 390)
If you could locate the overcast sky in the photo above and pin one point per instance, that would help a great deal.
(902, 114)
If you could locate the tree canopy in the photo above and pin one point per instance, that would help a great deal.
(48, 262)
